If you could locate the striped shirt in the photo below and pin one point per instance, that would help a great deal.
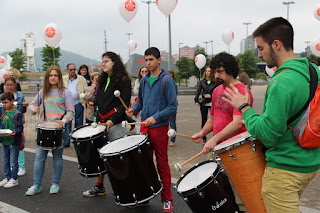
(58, 105)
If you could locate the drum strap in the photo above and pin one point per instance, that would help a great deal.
(104, 117)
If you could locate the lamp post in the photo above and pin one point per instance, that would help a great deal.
(148, 3)
(179, 50)
(170, 51)
(247, 23)
(206, 42)
(129, 34)
(287, 3)
(307, 42)
(211, 48)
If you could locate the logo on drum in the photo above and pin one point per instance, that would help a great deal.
(218, 205)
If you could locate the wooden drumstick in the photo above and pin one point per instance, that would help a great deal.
(172, 133)
(117, 94)
(178, 166)
(125, 123)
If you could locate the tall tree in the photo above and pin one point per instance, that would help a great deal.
(18, 59)
(50, 56)
(248, 62)
(185, 66)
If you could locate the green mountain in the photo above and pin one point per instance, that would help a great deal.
(65, 58)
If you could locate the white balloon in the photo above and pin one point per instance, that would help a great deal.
(317, 12)
(200, 61)
(270, 71)
(315, 47)
(132, 45)
(52, 35)
(227, 36)
(2, 62)
(3, 75)
(166, 6)
(128, 9)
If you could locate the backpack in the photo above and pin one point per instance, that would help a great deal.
(307, 130)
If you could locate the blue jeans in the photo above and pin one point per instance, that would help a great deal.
(78, 121)
(40, 160)
(10, 154)
(173, 125)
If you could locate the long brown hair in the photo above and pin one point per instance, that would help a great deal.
(47, 86)
(139, 76)
(213, 79)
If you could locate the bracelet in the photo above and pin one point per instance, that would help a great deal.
(243, 106)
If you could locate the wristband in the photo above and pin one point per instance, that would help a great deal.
(243, 106)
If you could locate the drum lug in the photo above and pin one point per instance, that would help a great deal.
(135, 199)
(99, 168)
(200, 193)
(216, 182)
(253, 146)
(55, 132)
(40, 142)
(78, 143)
(232, 155)
(152, 190)
(117, 198)
(91, 141)
(121, 157)
(139, 150)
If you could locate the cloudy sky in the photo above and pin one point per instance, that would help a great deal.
(192, 22)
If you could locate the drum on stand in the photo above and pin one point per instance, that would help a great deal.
(205, 188)
(49, 135)
(245, 163)
(87, 141)
(131, 171)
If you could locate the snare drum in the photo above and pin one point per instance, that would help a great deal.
(206, 189)
(49, 135)
(131, 171)
(245, 163)
(87, 141)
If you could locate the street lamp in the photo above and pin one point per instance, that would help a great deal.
(129, 34)
(206, 42)
(148, 3)
(307, 42)
(247, 46)
(211, 48)
(287, 3)
(179, 50)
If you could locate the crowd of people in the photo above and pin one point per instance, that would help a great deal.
(224, 92)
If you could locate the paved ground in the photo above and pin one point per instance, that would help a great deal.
(72, 184)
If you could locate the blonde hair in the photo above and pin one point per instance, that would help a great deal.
(92, 75)
(47, 86)
(15, 72)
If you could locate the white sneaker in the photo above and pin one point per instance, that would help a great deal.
(21, 172)
(11, 183)
(4, 182)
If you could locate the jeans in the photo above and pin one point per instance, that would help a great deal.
(21, 159)
(173, 125)
(40, 160)
(10, 154)
(204, 116)
(78, 120)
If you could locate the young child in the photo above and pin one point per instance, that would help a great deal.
(11, 119)
(10, 85)
(91, 92)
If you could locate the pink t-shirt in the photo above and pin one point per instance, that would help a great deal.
(223, 112)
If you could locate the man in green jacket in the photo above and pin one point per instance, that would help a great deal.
(289, 167)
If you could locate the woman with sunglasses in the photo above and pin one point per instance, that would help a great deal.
(143, 70)
(110, 109)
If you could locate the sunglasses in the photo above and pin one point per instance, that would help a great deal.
(72, 69)
(144, 71)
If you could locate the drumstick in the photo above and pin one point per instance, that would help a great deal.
(124, 124)
(117, 94)
(82, 96)
(178, 166)
(172, 133)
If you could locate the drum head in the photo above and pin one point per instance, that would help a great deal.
(231, 142)
(87, 131)
(50, 125)
(122, 144)
(196, 176)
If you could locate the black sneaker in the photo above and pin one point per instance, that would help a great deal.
(95, 191)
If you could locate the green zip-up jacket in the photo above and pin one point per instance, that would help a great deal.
(287, 93)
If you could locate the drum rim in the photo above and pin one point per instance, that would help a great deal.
(86, 138)
(234, 145)
(202, 185)
(145, 140)
(47, 128)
